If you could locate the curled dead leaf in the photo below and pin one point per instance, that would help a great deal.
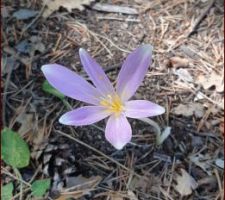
(177, 62)
(54, 5)
(79, 186)
(185, 183)
(210, 80)
(26, 121)
(190, 109)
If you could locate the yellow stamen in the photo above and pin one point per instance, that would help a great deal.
(112, 103)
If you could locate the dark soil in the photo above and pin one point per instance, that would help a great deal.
(151, 170)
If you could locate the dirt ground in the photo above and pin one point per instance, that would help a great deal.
(186, 77)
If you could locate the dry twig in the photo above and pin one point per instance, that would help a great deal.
(200, 18)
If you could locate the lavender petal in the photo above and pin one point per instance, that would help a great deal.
(84, 116)
(142, 108)
(96, 73)
(70, 84)
(118, 131)
(133, 71)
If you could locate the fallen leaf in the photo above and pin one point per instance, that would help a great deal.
(212, 79)
(31, 130)
(82, 182)
(31, 46)
(26, 123)
(184, 75)
(23, 14)
(177, 62)
(220, 163)
(185, 183)
(68, 4)
(23, 47)
(202, 161)
(145, 183)
(37, 44)
(80, 186)
(131, 195)
(190, 109)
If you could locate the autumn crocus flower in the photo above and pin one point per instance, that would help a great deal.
(104, 100)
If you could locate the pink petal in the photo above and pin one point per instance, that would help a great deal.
(142, 108)
(84, 116)
(133, 71)
(70, 84)
(96, 73)
(118, 131)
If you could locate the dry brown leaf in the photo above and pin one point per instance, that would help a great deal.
(190, 109)
(30, 129)
(185, 183)
(82, 182)
(54, 5)
(75, 195)
(79, 186)
(212, 79)
(178, 62)
(132, 196)
(26, 121)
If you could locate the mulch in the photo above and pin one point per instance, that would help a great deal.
(189, 31)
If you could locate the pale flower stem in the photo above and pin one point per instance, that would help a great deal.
(155, 125)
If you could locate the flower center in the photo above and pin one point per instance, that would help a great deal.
(112, 103)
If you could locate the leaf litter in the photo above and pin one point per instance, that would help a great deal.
(190, 109)
(185, 183)
(107, 36)
(54, 5)
(210, 80)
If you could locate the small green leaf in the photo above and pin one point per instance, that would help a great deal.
(7, 191)
(15, 151)
(51, 90)
(40, 187)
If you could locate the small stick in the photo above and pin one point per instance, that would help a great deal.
(99, 152)
(200, 18)
(119, 19)
(5, 94)
(114, 9)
